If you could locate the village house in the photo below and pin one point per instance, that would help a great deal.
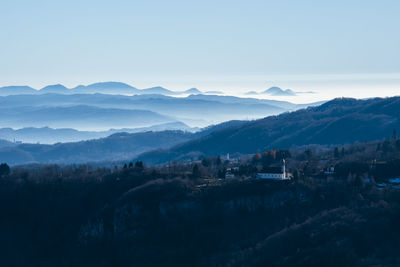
(230, 172)
(229, 175)
(330, 170)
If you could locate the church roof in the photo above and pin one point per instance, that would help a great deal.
(272, 170)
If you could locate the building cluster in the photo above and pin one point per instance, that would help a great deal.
(272, 173)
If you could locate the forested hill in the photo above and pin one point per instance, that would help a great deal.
(116, 147)
(340, 121)
(119, 146)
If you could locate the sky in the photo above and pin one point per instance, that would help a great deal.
(334, 48)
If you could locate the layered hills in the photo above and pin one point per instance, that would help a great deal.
(340, 121)
(115, 88)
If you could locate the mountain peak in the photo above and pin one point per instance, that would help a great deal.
(58, 85)
(251, 93)
(109, 85)
(54, 88)
(192, 91)
(107, 88)
(157, 90)
(276, 91)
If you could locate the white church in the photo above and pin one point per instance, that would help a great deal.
(275, 173)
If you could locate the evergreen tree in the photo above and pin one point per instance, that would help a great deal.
(398, 144)
(196, 171)
(378, 147)
(206, 162)
(4, 169)
(139, 165)
(386, 146)
(296, 175)
(308, 153)
(256, 157)
(336, 153)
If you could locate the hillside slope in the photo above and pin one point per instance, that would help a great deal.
(79, 117)
(118, 146)
(336, 122)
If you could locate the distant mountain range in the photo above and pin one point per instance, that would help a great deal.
(120, 146)
(116, 147)
(92, 113)
(119, 88)
(79, 117)
(46, 135)
(115, 88)
(276, 91)
(339, 121)
(6, 143)
(102, 111)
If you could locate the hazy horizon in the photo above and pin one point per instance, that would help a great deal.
(322, 86)
(336, 49)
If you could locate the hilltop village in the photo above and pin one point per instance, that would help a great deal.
(373, 162)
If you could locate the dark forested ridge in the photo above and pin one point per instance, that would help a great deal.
(340, 206)
(187, 215)
(340, 121)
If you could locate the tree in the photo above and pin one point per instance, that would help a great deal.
(267, 158)
(219, 161)
(206, 162)
(394, 134)
(283, 154)
(221, 173)
(296, 175)
(398, 144)
(359, 182)
(256, 157)
(378, 147)
(336, 153)
(386, 146)
(196, 171)
(308, 153)
(4, 169)
(139, 165)
(130, 165)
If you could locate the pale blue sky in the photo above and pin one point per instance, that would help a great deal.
(213, 44)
